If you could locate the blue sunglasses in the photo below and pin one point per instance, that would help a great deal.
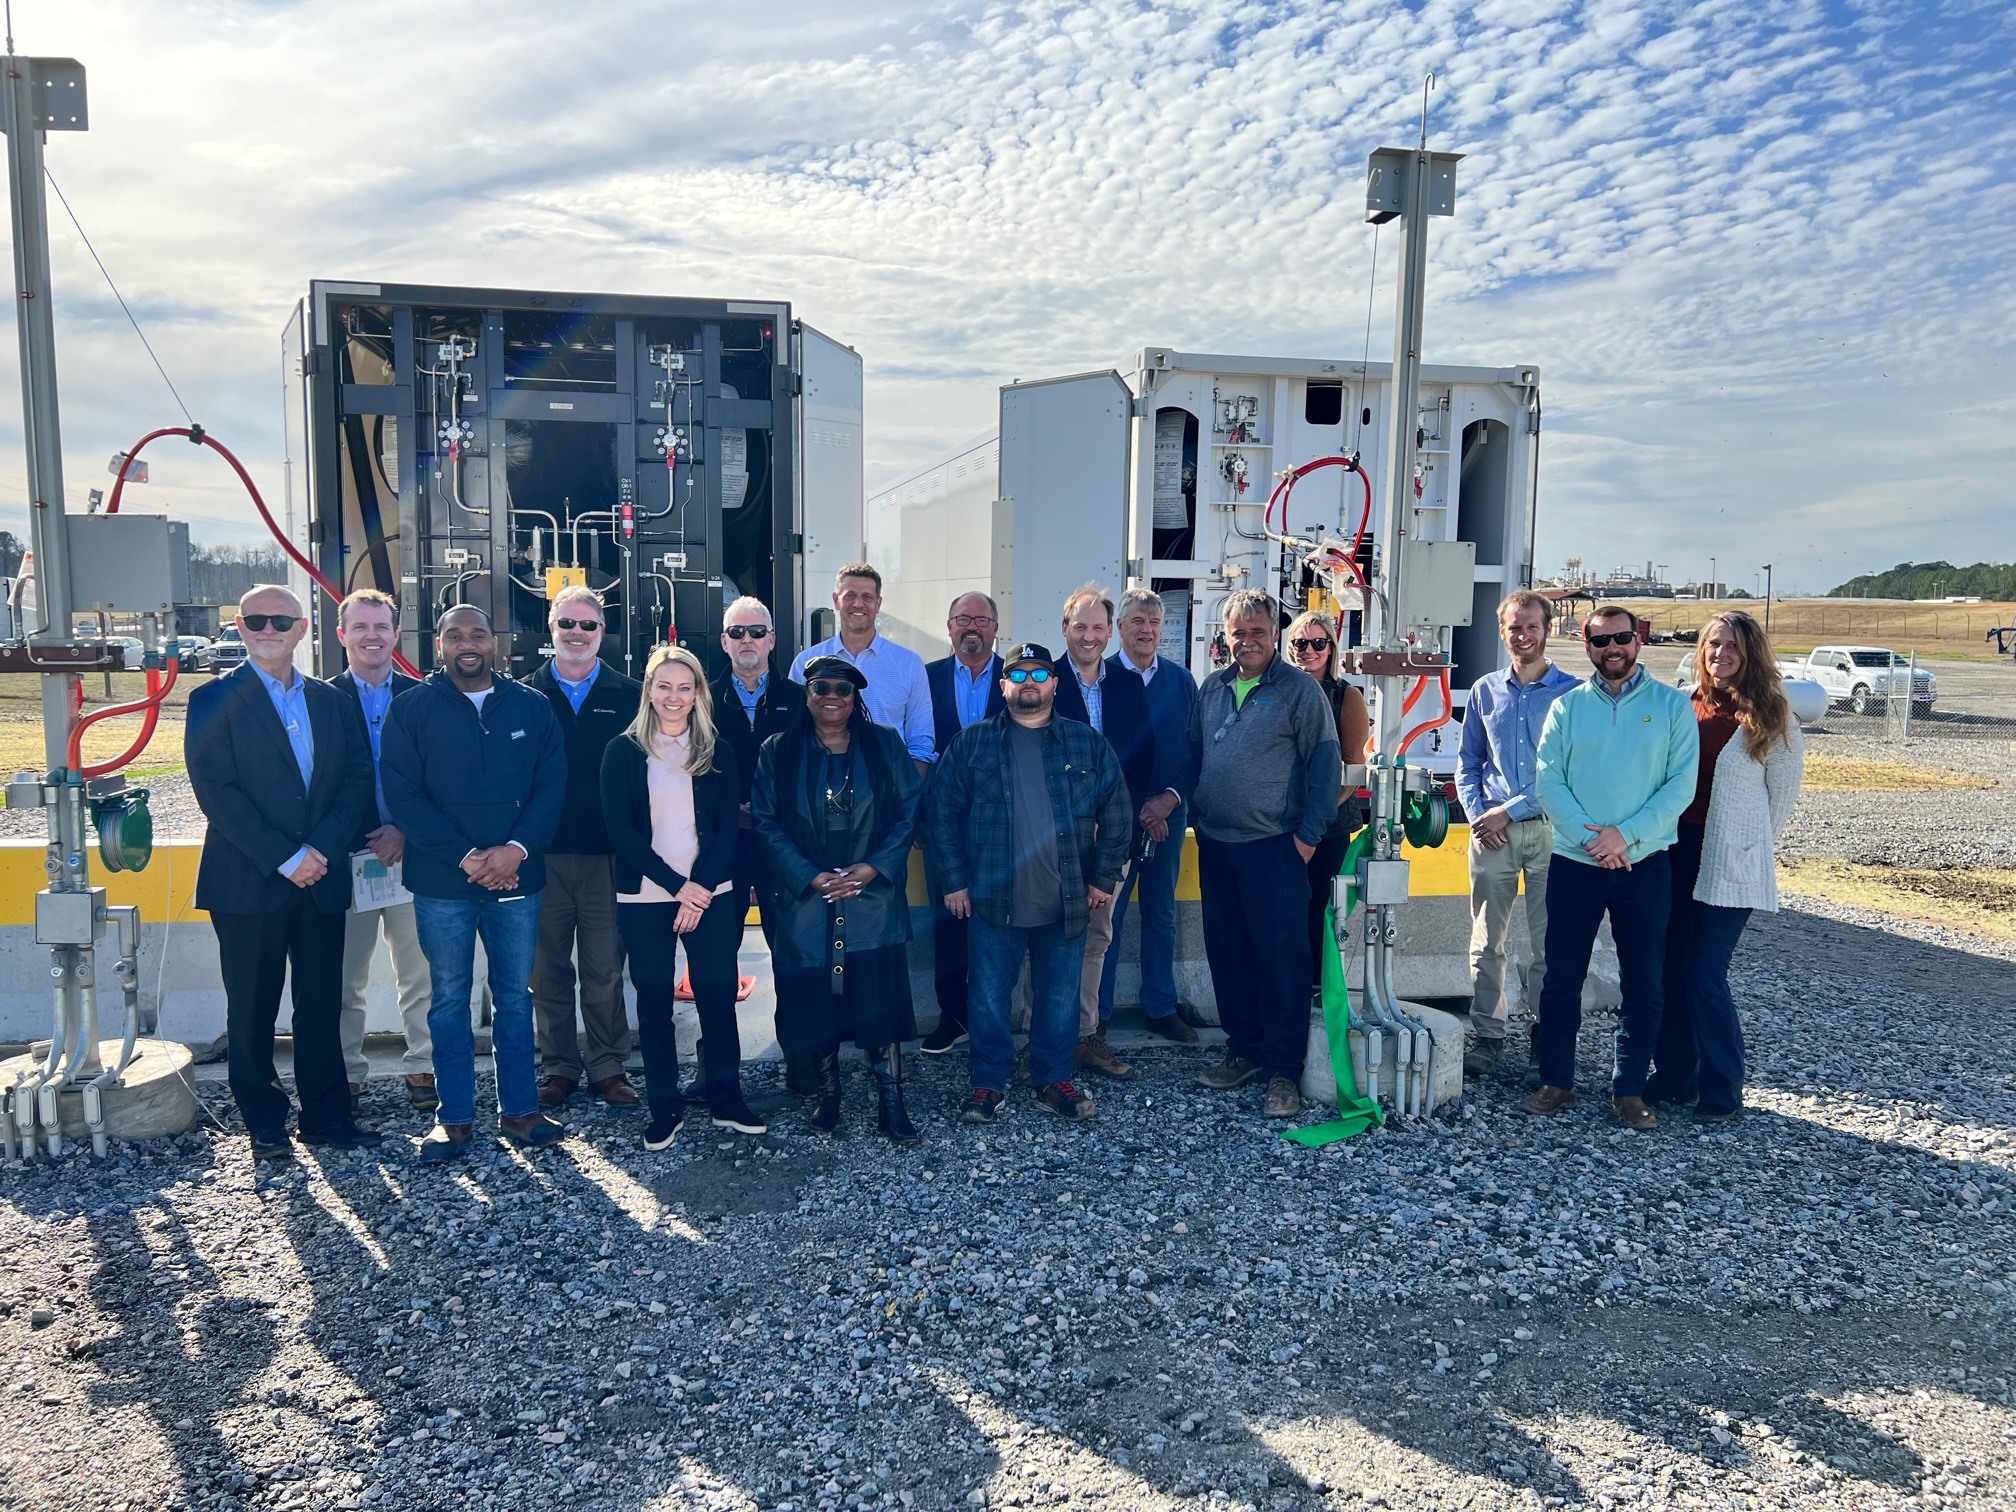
(1029, 674)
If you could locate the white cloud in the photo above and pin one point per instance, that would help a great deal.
(1758, 252)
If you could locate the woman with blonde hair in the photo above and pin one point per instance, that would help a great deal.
(1725, 863)
(1312, 646)
(673, 803)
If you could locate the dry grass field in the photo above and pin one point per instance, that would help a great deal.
(1798, 625)
(21, 723)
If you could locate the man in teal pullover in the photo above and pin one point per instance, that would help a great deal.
(1616, 767)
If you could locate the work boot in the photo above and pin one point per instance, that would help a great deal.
(446, 1142)
(891, 1117)
(421, 1093)
(1233, 1071)
(531, 1131)
(1483, 1056)
(826, 1116)
(1283, 1099)
(1633, 1114)
(1172, 1027)
(1095, 1054)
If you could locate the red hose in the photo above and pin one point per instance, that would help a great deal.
(1448, 713)
(198, 435)
(157, 691)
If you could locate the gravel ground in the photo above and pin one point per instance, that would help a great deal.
(1954, 828)
(1810, 1310)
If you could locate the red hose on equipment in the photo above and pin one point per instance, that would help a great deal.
(1448, 713)
(197, 435)
(157, 691)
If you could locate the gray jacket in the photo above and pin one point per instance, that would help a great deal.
(1271, 768)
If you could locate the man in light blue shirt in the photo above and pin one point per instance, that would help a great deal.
(897, 694)
(1510, 840)
(290, 702)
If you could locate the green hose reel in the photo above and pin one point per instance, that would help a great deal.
(1426, 822)
(125, 830)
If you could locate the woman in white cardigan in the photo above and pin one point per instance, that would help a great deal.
(1725, 862)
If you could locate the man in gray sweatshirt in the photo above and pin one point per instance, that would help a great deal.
(1262, 785)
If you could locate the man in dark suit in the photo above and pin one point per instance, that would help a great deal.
(367, 623)
(1117, 707)
(752, 702)
(594, 704)
(965, 689)
(281, 767)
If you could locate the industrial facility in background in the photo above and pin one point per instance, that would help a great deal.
(485, 446)
(1198, 475)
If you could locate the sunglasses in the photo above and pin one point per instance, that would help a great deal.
(1621, 638)
(1309, 645)
(746, 632)
(565, 623)
(1029, 674)
(830, 687)
(281, 622)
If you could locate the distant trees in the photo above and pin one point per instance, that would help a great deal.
(224, 574)
(12, 549)
(1924, 580)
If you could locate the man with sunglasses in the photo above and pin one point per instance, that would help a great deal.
(897, 694)
(1615, 770)
(594, 703)
(1263, 784)
(965, 689)
(752, 702)
(1510, 839)
(1029, 823)
(281, 767)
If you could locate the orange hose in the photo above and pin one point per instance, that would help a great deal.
(1448, 713)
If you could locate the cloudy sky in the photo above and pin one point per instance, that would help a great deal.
(1761, 252)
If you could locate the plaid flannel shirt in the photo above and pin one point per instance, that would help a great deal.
(970, 841)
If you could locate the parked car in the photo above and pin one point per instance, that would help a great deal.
(193, 652)
(227, 652)
(131, 647)
(1864, 677)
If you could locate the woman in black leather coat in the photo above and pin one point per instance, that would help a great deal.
(835, 807)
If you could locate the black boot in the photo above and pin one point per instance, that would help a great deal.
(827, 1115)
(801, 1074)
(891, 1117)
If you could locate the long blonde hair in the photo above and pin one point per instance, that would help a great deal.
(1758, 690)
(699, 724)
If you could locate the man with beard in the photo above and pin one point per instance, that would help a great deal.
(965, 689)
(1616, 769)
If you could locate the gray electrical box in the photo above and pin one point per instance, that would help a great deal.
(135, 564)
(1437, 583)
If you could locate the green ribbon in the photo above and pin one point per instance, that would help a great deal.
(1355, 1114)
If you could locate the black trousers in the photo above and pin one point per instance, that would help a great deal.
(748, 877)
(948, 959)
(255, 951)
(1256, 939)
(652, 945)
(1323, 865)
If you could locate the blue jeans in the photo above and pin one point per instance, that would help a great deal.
(1639, 902)
(994, 963)
(510, 929)
(1156, 877)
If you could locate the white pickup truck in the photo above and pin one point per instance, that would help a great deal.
(1865, 678)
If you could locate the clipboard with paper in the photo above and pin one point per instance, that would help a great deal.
(374, 884)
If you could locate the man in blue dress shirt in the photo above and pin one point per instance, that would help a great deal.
(897, 694)
(1509, 837)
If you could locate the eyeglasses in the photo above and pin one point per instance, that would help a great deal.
(1302, 646)
(967, 621)
(1621, 638)
(281, 622)
(565, 623)
(745, 632)
(1029, 674)
(830, 687)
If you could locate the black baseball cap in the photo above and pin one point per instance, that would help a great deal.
(1027, 651)
(834, 666)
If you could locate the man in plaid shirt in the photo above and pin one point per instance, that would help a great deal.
(1028, 833)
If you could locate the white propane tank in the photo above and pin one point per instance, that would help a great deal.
(1808, 699)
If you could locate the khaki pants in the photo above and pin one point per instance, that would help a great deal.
(577, 926)
(1098, 940)
(409, 966)
(1494, 886)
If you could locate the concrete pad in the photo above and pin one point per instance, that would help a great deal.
(157, 1095)
(1445, 1068)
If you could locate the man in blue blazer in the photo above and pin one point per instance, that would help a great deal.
(965, 689)
(281, 767)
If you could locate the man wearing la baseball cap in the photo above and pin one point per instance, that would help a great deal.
(1028, 833)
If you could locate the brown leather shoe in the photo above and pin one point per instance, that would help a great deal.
(1283, 1099)
(617, 1091)
(1548, 1101)
(1633, 1114)
(555, 1090)
(421, 1094)
(1095, 1054)
(1172, 1027)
